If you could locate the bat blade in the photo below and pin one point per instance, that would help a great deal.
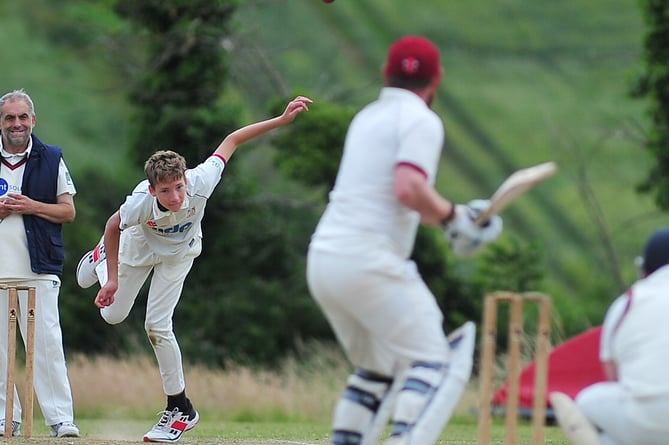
(514, 186)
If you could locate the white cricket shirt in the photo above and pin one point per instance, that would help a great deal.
(12, 231)
(398, 127)
(635, 335)
(168, 234)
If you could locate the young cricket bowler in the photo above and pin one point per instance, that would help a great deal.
(158, 229)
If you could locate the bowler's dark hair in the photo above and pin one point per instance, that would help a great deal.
(164, 166)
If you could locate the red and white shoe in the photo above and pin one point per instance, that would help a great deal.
(88, 264)
(171, 426)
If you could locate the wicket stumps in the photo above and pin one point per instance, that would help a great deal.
(515, 302)
(28, 402)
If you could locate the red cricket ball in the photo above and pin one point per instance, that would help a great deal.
(328, 1)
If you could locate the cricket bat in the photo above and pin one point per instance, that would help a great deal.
(514, 186)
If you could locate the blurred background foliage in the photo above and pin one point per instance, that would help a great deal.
(578, 82)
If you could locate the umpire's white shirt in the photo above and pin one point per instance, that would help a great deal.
(12, 231)
(171, 234)
(362, 202)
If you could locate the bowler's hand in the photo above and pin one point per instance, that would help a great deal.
(106, 294)
(295, 107)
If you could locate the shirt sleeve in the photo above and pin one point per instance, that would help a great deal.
(65, 183)
(204, 178)
(614, 316)
(421, 144)
(137, 206)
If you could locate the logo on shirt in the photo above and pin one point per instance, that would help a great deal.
(4, 187)
(167, 230)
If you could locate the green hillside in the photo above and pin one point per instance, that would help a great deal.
(525, 82)
(77, 99)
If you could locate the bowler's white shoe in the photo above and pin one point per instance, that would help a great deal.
(86, 269)
(172, 425)
(575, 426)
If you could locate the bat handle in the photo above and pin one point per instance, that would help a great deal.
(483, 219)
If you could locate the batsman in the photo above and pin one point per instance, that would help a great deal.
(359, 272)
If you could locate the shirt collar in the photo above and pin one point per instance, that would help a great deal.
(157, 213)
(16, 156)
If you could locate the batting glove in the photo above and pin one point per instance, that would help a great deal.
(464, 235)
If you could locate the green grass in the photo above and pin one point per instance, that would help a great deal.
(224, 431)
(119, 400)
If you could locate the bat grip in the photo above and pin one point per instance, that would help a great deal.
(483, 218)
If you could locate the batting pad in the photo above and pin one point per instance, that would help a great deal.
(437, 414)
(439, 410)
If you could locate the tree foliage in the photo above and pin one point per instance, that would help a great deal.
(510, 265)
(246, 297)
(654, 86)
(310, 152)
(176, 93)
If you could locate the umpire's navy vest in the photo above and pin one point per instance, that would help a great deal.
(40, 182)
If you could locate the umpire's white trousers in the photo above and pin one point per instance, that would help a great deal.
(136, 263)
(52, 385)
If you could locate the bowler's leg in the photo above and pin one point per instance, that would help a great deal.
(130, 281)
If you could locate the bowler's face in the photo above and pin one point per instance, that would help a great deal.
(16, 124)
(170, 194)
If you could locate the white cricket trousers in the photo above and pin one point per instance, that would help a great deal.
(52, 385)
(381, 311)
(136, 263)
(625, 420)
